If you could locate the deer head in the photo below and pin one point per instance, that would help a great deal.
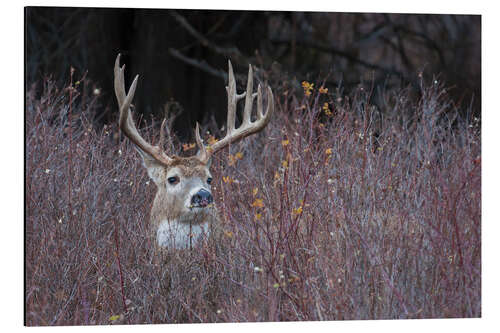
(182, 209)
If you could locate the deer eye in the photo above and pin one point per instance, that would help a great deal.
(209, 180)
(173, 180)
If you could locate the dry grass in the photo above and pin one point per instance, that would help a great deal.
(327, 216)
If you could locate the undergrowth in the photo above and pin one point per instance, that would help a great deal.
(338, 210)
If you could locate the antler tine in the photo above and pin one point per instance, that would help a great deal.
(247, 127)
(249, 97)
(232, 99)
(202, 151)
(126, 122)
(119, 82)
(162, 133)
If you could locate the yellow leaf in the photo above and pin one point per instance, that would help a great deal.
(258, 203)
(238, 155)
(115, 317)
(328, 151)
(327, 110)
(211, 140)
(255, 191)
(285, 142)
(187, 146)
(227, 179)
(323, 90)
(308, 87)
(297, 211)
(258, 216)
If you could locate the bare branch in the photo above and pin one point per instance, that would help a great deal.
(198, 64)
(341, 53)
(231, 52)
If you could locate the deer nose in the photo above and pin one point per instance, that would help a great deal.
(202, 199)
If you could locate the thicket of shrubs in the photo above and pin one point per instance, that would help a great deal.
(333, 212)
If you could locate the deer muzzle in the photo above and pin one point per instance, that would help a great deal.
(202, 198)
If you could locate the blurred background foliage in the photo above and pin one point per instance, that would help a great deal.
(181, 55)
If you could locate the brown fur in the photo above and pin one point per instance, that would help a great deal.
(170, 204)
(190, 166)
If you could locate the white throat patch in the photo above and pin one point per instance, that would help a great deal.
(175, 235)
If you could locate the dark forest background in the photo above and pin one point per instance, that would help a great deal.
(181, 55)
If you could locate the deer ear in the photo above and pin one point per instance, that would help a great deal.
(156, 171)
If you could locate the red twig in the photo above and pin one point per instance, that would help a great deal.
(120, 269)
(70, 146)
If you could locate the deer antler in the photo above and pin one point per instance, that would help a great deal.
(247, 126)
(127, 123)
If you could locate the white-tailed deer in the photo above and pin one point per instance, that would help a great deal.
(182, 211)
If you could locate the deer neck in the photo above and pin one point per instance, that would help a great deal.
(177, 235)
(175, 228)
